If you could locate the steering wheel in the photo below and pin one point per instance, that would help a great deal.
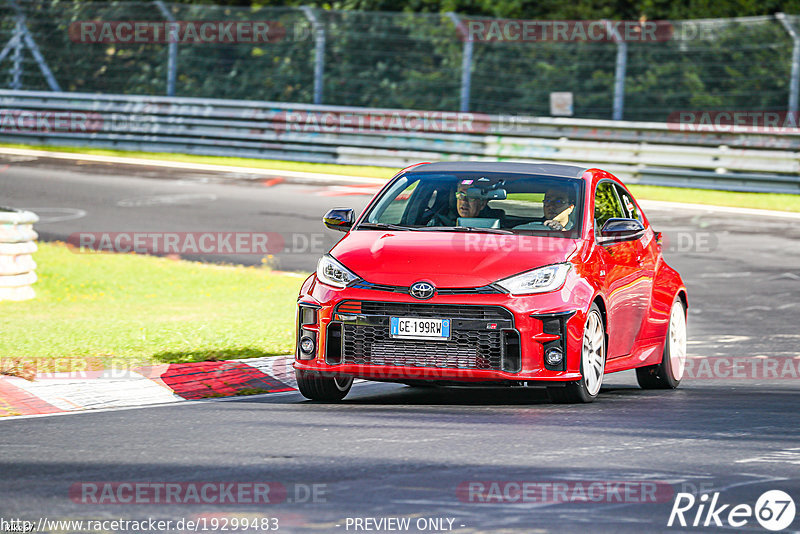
(436, 216)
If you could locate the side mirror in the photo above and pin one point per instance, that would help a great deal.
(616, 230)
(341, 219)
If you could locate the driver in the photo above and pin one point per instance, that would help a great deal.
(465, 207)
(557, 208)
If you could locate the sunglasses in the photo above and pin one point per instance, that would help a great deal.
(556, 201)
(461, 195)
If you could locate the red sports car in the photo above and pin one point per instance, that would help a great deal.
(493, 274)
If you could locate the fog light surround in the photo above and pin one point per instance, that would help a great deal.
(307, 345)
(554, 356)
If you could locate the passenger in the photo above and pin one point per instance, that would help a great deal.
(557, 208)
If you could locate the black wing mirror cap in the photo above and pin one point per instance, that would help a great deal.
(617, 230)
(341, 219)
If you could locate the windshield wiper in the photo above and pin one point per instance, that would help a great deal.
(382, 226)
(465, 229)
(387, 226)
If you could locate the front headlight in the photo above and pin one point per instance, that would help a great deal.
(538, 280)
(333, 273)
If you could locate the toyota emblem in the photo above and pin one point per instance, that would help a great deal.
(422, 290)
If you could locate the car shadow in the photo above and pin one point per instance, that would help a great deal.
(398, 394)
(392, 394)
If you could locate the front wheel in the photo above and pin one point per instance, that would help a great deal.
(668, 373)
(593, 364)
(316, 386)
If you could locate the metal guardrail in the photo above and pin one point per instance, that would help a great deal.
(17, 244)
(652, 153)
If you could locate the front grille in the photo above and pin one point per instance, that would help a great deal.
(468, 348)
(465, 350)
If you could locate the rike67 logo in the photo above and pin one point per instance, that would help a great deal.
(774, 510)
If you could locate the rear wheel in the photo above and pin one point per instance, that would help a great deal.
(668, 373)
(316, 386)
(593, 364)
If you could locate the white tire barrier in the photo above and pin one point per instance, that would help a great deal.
(17, 245)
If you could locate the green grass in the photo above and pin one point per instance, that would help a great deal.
(765, 201)
(768, 201)
(131, 309)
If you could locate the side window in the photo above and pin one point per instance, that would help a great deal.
(606, 204)
(393, 212)
(627, 202)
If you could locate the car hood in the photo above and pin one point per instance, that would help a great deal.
(447, 259)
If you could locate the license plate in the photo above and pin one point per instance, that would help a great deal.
(419, 328)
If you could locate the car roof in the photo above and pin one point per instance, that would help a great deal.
(548, 169)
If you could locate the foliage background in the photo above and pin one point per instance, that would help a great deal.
(408, 55)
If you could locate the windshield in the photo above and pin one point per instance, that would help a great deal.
(482, 202)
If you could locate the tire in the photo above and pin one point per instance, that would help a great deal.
(315, 386)
(593, 363)
(668, 373)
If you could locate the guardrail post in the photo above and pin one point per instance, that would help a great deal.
(17, 244)
(319, 52)
(794, 82)
(619, 73)
(466, 62)
(172, 51)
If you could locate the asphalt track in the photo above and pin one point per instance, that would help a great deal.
(394, 451)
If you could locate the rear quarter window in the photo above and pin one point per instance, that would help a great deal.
(630, 206)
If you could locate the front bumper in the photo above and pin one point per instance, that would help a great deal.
(495, 338)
